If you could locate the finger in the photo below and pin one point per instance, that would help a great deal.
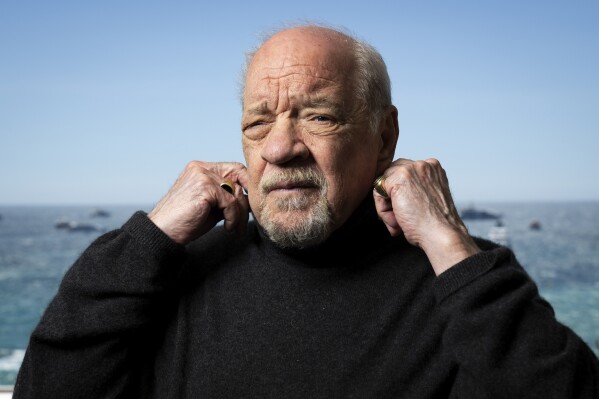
(244, 209)
(234, 171)
(232, 216)
(237, 173)
(236, 212)
(401, 162)
(233, 205)
(384, 209)
(433, 161)
(241, 177)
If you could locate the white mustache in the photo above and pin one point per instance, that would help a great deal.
(293, 177)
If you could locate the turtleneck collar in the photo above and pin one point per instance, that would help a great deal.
(354, 240)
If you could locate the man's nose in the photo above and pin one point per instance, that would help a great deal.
(284, 143)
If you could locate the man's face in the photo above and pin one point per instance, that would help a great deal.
(310, 156)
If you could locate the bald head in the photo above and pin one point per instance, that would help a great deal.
(311, 36)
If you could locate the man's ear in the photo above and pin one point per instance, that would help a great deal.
(388, 134)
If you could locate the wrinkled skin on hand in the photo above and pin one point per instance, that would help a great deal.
(421, 207)
(196, 202)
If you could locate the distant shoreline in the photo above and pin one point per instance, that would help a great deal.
(459, 203)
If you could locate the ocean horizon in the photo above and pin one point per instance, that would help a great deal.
(557, 242)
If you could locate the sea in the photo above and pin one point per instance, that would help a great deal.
(557, 243)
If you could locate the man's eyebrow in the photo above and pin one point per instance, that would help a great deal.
(307, 102)
(260, 109)
(321, 102)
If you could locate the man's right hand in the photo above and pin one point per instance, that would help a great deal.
(196, 202)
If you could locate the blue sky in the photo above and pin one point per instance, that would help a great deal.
(105, 102)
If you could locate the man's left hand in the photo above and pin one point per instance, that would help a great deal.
(420, 205)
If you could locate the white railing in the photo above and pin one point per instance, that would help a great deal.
(5, 392)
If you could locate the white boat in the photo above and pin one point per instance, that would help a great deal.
(71, 225)
(84, 227)
(499, 234)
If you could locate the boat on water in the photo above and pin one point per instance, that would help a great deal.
(535, 225)
(85, 227)
(62, 223)
(499, 234)
(74, 226)
(471, 213)
(100, 213)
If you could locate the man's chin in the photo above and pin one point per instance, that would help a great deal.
(299, 228)
(288, 219)
(292, 202)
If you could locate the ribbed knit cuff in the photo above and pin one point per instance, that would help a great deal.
(150, 237)
(466, 271)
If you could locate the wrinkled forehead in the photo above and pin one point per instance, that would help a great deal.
(294, 79)
(298, 62)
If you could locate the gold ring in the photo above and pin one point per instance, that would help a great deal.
(379, 186)
(227, 185)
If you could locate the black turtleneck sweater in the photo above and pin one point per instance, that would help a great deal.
(361, 316)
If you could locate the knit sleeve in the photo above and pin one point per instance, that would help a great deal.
(504, 338)
(93, 333)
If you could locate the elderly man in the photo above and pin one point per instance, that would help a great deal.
(335, 290)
